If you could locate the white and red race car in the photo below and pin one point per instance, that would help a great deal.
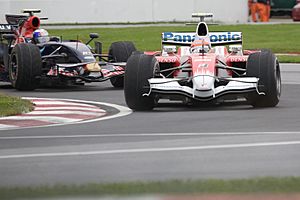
(202, 69)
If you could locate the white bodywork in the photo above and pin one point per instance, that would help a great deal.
(202, 80)
(171, 85)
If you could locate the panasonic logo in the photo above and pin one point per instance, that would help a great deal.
(216, 37)
(225, 37)
(178, 37)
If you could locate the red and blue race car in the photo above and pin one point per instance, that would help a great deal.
(28, 56)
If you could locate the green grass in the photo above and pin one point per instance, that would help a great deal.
(280, 38)
(239, 186)
(289, 59)
(13, 105)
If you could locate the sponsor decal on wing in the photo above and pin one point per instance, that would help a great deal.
(5, 28)
(188, 38)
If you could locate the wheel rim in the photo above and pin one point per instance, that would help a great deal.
(278, 80)
(156, 70)
(13, 68)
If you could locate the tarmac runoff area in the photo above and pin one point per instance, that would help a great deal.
(56, 112)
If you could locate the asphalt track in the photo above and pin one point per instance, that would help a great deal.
(171, 142)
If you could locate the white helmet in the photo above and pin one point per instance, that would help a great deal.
(41, 36)
(200, 46)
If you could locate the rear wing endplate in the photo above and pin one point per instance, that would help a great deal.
(216, 38)
(6, 28)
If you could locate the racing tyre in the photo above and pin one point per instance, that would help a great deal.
(139, 69)
(265, 66)
(120, 52)
(25, 66)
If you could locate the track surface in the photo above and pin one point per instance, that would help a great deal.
(173, 142)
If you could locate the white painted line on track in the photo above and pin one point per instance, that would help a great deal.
(149, 135)
(149, 150)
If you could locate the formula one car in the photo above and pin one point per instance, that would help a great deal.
(25, 60)
(202, 69)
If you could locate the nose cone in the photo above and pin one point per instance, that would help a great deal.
(204, 82)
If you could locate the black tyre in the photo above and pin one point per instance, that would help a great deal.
(120, 52)
(139, 69)
(265, 66)
(25, 66)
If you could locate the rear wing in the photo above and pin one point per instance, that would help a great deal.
(6, 28)
(216, 38)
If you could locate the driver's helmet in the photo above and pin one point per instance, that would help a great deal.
(40, 36)
(200, 46)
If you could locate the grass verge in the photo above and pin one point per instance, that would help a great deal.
(267, 185)
(289, 59)
(280, 38)
(13, 105)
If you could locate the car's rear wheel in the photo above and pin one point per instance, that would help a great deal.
(139, 69)
(25, 66)
(120, 52)
(265, 66)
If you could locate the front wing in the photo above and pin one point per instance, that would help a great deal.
(172, 86)
(104, 73)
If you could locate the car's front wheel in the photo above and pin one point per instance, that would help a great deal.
(139, 69)
(265, 66)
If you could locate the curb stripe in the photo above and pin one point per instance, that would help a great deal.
(64, 112)
(76, 117)
(41, 108)
(23, 123)
(56, 112)
(47, 103)
(57, 119)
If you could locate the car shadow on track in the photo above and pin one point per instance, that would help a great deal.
(66, 88)
(224, 106)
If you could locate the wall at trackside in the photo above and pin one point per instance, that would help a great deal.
(102, 11)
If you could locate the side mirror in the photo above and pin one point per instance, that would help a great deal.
(94, 35)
